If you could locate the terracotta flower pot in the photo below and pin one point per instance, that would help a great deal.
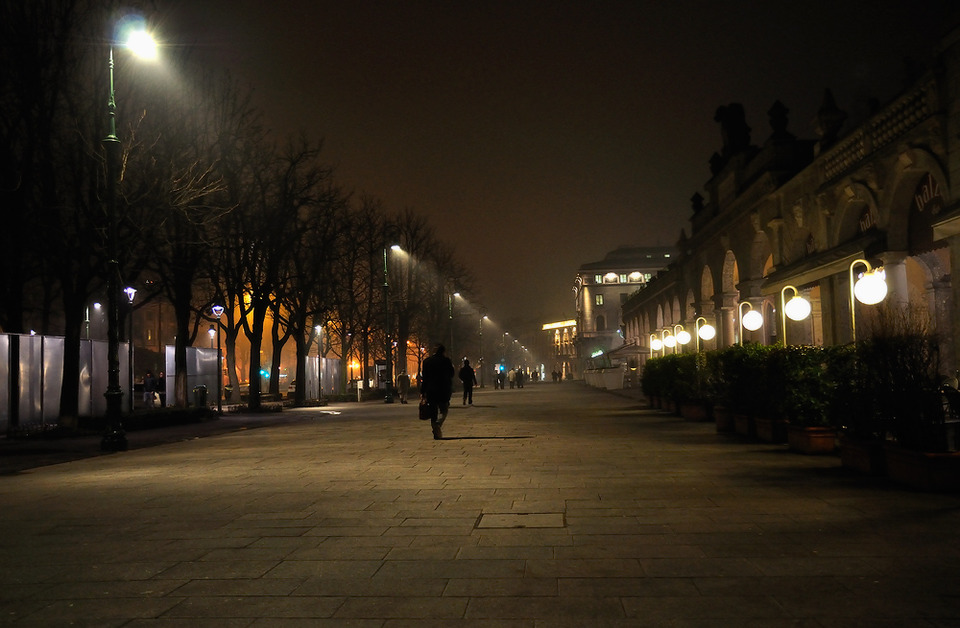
(812, 440)
(770, 430)
(863, 456)
(743, 425)
(694, 411)
(724, 420)
(933, 472)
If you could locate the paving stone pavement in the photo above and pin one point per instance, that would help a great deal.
(352, 515)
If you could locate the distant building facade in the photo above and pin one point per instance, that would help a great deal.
(561, 338)
(602, 288)
(807, 216)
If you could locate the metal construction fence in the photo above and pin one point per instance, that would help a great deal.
(31, 378)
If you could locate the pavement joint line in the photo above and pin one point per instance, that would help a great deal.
(363, 519)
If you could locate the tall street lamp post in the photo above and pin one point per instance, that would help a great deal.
(115, 439)
(480, 365)
(218, 312)
(388, 342)
(131, 292)
(450, 296)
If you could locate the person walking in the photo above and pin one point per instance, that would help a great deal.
(512, 378)
(469, 378)
(437, 387)
(162, 389)
(403, 386)
(149, 388)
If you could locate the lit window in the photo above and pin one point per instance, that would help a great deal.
(623, 278)
(599, 299)
(598, 279)
(635, 276)
(610, 277)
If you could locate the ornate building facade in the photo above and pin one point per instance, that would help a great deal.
(793, 216)
(602, 288)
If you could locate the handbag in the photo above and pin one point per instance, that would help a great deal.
(428, 411)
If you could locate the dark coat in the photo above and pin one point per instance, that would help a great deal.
(437, 378)
(468, 376)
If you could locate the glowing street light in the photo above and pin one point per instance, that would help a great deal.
(869, 289)
(682, 335)
(131, 292)
(796, 309)
(218, 312)
(115, 439)
(389, 245)
(655, 344)
(751, 321)
(481, 366)
(706, 331)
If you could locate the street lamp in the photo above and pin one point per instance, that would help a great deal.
(681, 334)
(869, 289)
(218, 312)
(751, 321)
(481, 366)
(706, 331)
(450, 297)
(655, 344)
(115, 439)
(388, 343)
(131, 292)
(796, 309)
(668, 340)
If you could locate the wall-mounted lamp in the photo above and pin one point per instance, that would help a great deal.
(796, 309)
(706, 331)
(869, 289)
(751, 321)
(655, 344)
(668, 340)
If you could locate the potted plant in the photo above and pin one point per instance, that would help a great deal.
(690, 388)
(809, 396)
(743, 371)
(900, 371)
(715, 386)
(852, 412)
(651, 382)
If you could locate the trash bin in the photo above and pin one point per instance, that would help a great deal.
(200, 396)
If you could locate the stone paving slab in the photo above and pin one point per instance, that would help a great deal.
(354, 516)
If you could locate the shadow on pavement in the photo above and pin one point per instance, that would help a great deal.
(483, 437)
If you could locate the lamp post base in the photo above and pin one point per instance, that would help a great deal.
(114, 440)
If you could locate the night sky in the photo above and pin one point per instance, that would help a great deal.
(538, 136)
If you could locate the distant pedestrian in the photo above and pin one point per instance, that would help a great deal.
(149, 389)
(520, 377)
(162, 389)
(512, 378)
(437, 387)
(469, 378)
(403, 385)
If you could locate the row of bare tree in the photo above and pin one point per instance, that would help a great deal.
(213, 208)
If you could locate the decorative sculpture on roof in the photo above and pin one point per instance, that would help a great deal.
(733, 129)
